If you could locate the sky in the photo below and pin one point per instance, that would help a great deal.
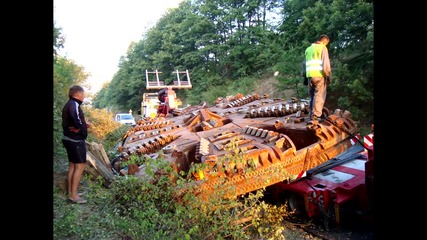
(98, 32)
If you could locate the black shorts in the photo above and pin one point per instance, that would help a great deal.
(76, 151)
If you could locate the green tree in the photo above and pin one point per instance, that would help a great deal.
(225, 43)
(350, 25)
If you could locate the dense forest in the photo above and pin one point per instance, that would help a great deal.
(229, 45)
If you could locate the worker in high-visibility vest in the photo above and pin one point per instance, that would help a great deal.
(318, 72)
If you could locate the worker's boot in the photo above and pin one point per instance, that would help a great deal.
(314, 120)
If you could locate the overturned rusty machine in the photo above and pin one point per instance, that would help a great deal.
(276, 137)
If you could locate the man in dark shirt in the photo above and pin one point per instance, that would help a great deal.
(74, 128)
(163, 109)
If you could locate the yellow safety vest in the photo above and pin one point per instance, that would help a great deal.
(313, 64)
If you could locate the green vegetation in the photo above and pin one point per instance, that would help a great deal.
(229, 47)
(154, 207)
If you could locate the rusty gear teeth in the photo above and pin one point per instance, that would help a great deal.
(150, 146)
(202, 149)
(277, 111)
(245, 100)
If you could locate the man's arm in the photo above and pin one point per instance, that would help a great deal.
(78, 125)
(304, 73)
(326, 63)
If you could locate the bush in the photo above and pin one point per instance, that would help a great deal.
(102, 123)
(153, 207)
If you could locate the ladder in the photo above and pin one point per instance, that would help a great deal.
(182, 80)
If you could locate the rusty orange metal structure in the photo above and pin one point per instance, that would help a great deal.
(275, 139)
